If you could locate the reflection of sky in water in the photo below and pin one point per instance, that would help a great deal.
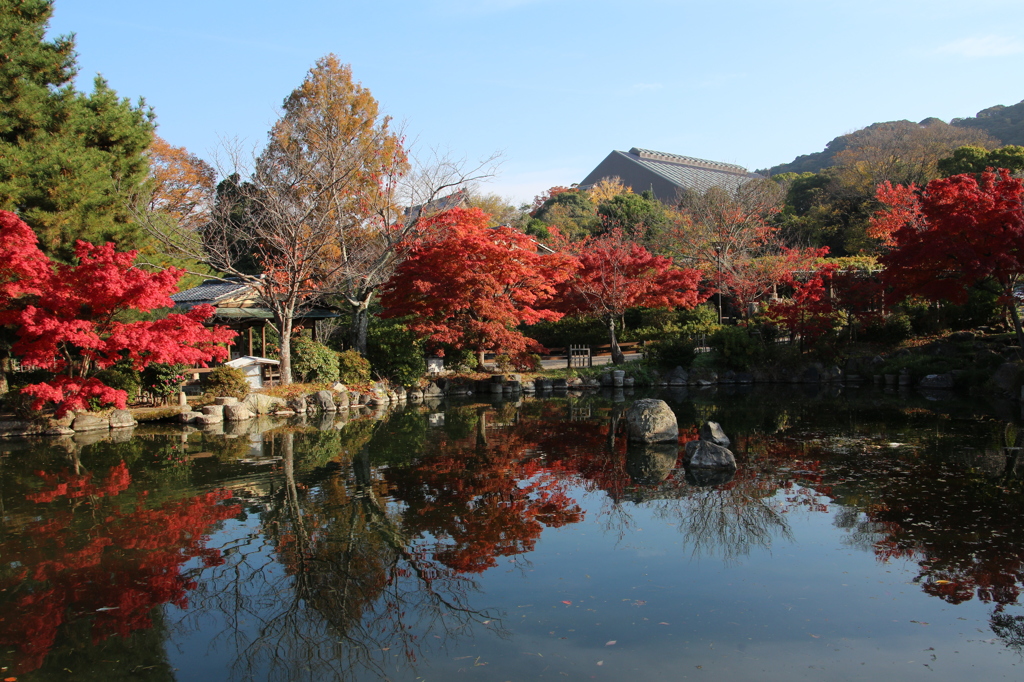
(809, 607)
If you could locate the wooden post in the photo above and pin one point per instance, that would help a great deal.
(250, 340)
(263, 346)
(568, 357)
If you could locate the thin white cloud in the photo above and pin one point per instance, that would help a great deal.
(983, 46)
(648, 86)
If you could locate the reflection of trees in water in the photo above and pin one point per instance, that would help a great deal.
(337, 588)
(93, 562)
(726, 521)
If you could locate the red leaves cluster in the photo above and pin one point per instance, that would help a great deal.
(954, 233)
(616, 274)
(470, 286)
(67, 317)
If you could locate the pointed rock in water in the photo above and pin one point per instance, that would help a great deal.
(651, 421)
(712, 431)
(703, 454)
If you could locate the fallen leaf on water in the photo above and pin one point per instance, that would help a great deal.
(815, 636)
(609, 642)
(663, 623)
(600, 662)
(567, 602)
(943, 582)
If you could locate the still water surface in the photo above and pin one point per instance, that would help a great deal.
(865, 536)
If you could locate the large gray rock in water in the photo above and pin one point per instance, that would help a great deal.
(90, 422)
(122, 419)
(703, 454)
(226, 400)
(712, 432)
(322, 401)
(678, 377)
(259, 403)
(651, 421)
(237, 413)
(212, 414)
(432, 391)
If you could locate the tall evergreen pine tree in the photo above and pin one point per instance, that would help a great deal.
(67, 159)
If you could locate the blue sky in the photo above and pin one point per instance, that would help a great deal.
(555, 85)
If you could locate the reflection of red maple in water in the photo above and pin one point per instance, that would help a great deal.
(110, 564)
(483, 501)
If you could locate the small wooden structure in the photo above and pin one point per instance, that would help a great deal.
(259, 372)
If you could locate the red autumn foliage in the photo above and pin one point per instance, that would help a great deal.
(617, 274)
(102, 560)
(470, 286)
(810, 313)
(68, 318)
(954, 234)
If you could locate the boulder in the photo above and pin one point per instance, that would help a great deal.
(703, 376)
(937, 381)
(432, 391)
(651, 421)
(211, 414)
(209, 419)
(713, 433)
(339, 388)
(90, 422)
(297, 405)
(122, 419)
(322, 401)
(342, 400)
(225, 400)
(606, 379)
(618, 378)
(259, 403)
(703, 454)
(541, 384)
(237, 413)
(628, 382)
(678, 377)
(1006, 379)
(188, 417)
(559, 384)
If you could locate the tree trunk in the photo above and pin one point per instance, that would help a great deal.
(617, 356)
(360, 323)
(480, 360)
(1015, 316)
(285, 326)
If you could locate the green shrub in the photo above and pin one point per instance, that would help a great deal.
(570, 330)
(736, 349)
(353, 368)
(164, 380)
(122, 378)
(227, 381)
(895, 328)
(395, 352)
(671, 353)
(313, 362)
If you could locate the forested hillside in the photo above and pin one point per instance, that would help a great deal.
(1004, 124)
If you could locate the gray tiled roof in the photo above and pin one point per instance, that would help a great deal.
(689, 172)
(210, 291)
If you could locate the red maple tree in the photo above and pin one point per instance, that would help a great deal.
(956, 233)
(70, 319)
(616, 274)
(470, 286)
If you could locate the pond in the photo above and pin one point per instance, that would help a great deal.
(864, 535)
